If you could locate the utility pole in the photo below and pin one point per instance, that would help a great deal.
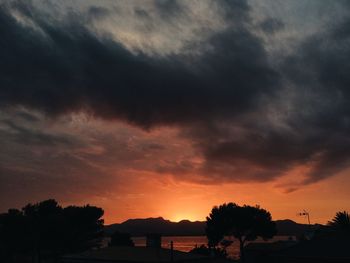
(305, 213)
(171, 251)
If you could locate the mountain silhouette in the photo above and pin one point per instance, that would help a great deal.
(141, 227)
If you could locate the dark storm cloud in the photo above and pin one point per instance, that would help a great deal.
(262, 155)
(217, 98)
(321, 67)
(271, 25)
(62, 68)
(24, 135)
(58, 176)
(95, 12)
(41, 162)
(318, 127)
(168, 7)
(27, 116)
(236, 11)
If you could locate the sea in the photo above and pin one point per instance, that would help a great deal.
(187, 243)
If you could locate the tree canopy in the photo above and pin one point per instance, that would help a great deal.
(246, 223)
(45, 228)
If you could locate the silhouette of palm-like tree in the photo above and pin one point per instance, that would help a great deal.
(341, 220)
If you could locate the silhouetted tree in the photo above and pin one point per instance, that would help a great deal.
(121, 239)
(340, 221)
(84, 227)
(246, 223)
(14, 235)
(46, 229)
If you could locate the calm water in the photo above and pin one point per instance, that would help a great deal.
(186, 243)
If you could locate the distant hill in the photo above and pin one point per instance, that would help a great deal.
(141, 227)
(288, 227)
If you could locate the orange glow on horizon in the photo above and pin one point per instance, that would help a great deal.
(186, 201)
(139, 190)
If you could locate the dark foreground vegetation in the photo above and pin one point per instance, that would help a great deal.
(245, 223)
(46, 230)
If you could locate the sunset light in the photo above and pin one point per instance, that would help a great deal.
(136, 115)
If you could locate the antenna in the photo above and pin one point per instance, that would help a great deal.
(305, 213)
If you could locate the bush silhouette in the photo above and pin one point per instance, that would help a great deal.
(206, 251)
(121, 239)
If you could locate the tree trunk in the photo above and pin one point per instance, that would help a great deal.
(38, 255)
(241, 250)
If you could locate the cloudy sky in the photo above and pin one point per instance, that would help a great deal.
(166, 108)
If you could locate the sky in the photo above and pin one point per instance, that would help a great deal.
(170, 107)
